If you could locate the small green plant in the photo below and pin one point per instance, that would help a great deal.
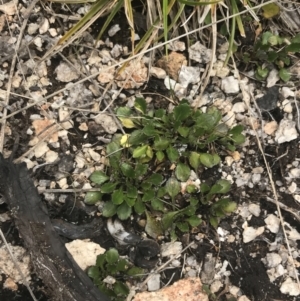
(272, 49)
(148, 165)
(109, 274)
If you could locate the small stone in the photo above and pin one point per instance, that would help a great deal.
(154, 283)
(172, 64)
(251, 233)
(83, 127)
(273, 260)
(171, 248)
(107, 122)
(51, 156)
(41, 149)
(32, 28)
(158, 72)
(216, 286)
(293, 187)
(177, 46)
(169, 83)
(243, 298)
(287, 92)
(290, 287)
(95, 129)
(200, 53)
(64, 114)
(287, 106)
(230, 85)
(95, 156)
(44, 26)
(256, 178)
(65, 73)
(53, 32)
(272, 223)
(268, 101)
(272, 78)
(113, 30)
(221, 70)
(239, 107)
(9, 8)
(254, 209)
(270, 127)
(258, 169)
(105, 77)
(294, 173)
(286, 131)
(84, 252)
(189, 75)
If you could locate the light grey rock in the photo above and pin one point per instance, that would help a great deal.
(230, 85)
(65, 73)
(189, 75)
(286, 131)
(273, 260)
(290, 287)
(272, 223)
(200, 53)
(154, 283)
(107, 122)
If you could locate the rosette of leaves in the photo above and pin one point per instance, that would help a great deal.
(272, 49)
(110, 273)
(149, 163)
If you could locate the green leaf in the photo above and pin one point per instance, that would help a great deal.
(130, 201)
(284, 74)
(93, 272)
(134, 271)
(108, 187)
(150, 131)
(140, 169)
(124, 112)
(137, 137)
(194, 221)
(117, 197)
(139, 151)
(100, 261)
(153, 227)
(127, 122)
(173, 187)
(168, 219)
(182, 111)
(99, 177)
(204, 188)
(122, 265)
(194, 159)
(183, 131)
(112, 256)
(132, 192)
(109, 209)
(236, 130)
(127, 170)
(209, 160)
(160, 156)
(160, 113)
(155, 179)
(238, 139)
(172, 154)
(139, 207)
(182, 172)
(191, 188)
(148, 195)
(124, 211)
(221, 186)
(182, 226)
(92, 197)
(214, 221)
(157, 204)
(121, 289)
(270, 10)
(140, 105)
(161, 143)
